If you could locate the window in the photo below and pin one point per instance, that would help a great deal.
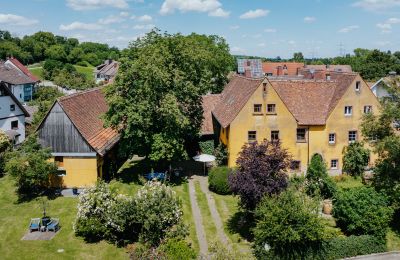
(265, 86)
(251, 136)
(257, 108)
(274, 135)
(301, 135)
(328, 77)
(295, 165)
(332, 138)
(367, 109)
(271, 108)
(61, 173)
(352, 136)
(59, 161)
(334, 164)
(358, 85)
(14, 124)
(12, 107)
(348, 110)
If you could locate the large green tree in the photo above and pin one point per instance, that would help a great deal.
(155, 102)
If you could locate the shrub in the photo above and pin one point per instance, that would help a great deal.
(158, 210)
(290, 225)
(362, 211)
(261, 171)
(5, 145)
(355, 158)
(218, 180)
(207, 147)
(318, 182)
(221, 154)
(139, 251)
(176, 249)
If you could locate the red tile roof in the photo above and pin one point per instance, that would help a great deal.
(209, 103)
(24, 69)
(85, 110)
(337, 68)
(292, 68)
(11, 75)
(235, 95)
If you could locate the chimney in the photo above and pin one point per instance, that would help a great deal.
(279, 71)
(247, 73)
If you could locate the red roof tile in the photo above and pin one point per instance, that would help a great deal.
(209, 103)
(24, 69)
(85, 110)
(292, 68)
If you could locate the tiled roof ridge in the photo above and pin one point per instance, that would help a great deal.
(249, 78)
(79, 93)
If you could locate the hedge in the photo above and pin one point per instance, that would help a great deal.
(218, 180)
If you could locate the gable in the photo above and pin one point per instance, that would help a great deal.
(59, 134)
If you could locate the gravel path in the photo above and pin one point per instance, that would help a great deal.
(214, 212)
(198, 221)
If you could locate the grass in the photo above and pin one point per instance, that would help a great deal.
(87, 71)
(37, 71)
(15, 219)
(208, 223)
(393, 241)
(346, 182)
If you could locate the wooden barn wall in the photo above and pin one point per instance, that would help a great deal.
(58, 133)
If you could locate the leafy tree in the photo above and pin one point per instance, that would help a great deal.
(355, 158)
(30, 168)
(73, 79)
(289, 225)
(261, 171)
(76, 55)
(5, 145)
(318, 181)
(51, 68)
(56, 52)
(156, 99)
(362, 211)
(221, 154)
(298, 57)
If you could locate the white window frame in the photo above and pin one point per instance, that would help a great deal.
(334, 138)
(348, 110)
(355, 136)
(358, 86)
(367, 109)
(336, 162)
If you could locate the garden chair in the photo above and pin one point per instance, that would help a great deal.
(34, 225)
(53, 225)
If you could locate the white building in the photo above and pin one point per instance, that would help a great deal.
(12, 115)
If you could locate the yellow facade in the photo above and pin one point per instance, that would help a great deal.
(236, 134)
(77, 172)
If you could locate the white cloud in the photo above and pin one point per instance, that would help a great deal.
(80, 5)
(254, 14)
(219, 13)
(124, 14)
(270, 30)
(385, 27)
(111, 19)
(393, 20)
(144, 18)
(143, 26)
(212, 7)
(234, 27)
(374, 5)
(12, 19)
(80, 26)
(349, 28)
(309, 19)
(262, 44)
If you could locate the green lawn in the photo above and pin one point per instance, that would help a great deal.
(87, 71)
(37, 71)
(14, 224)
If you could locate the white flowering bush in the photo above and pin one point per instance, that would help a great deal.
(158, 210)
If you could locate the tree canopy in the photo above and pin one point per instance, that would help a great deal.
(155, 101)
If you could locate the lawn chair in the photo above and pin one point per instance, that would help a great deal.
(34, 225)
(53, 225)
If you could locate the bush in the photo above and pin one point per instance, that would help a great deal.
(218, 180)
(290, 225)
(5, 145)
(139, 251)
(355, 158)
(176, 249)
(318, 182)
(261, 171)
(207, 147)
(362, 211)
(221, 154)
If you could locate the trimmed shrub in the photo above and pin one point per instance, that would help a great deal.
(218, 180)
(207, 147)
(176, 249)
(355, 158)
(318, 182)
(362, 211)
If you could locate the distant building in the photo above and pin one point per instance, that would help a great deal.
(382, 86)
(12, 115)
(251, 68)
(20, 84)
(106, 71)
(282, 68)
(332, 68)
(81, 146)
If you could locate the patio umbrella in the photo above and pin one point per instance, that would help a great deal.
(204, 158)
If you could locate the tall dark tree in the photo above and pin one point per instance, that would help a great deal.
(261, 171)
(155, 102)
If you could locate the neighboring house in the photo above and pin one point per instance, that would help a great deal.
(251, 68)
(106, 71)
(81, 146)
(380, 88)
(277, 69)
(12, 115)
(308, 116)
(19, 66)
(21, 85)
(331, 68)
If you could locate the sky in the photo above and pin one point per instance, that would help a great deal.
(267, 28)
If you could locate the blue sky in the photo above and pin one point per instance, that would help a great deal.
(270, 28)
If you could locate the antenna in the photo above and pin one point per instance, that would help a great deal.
(342, 50)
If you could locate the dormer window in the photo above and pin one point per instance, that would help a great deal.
(358, 86)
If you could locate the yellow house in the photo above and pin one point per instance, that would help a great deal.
(308, 115)
(81, 146)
